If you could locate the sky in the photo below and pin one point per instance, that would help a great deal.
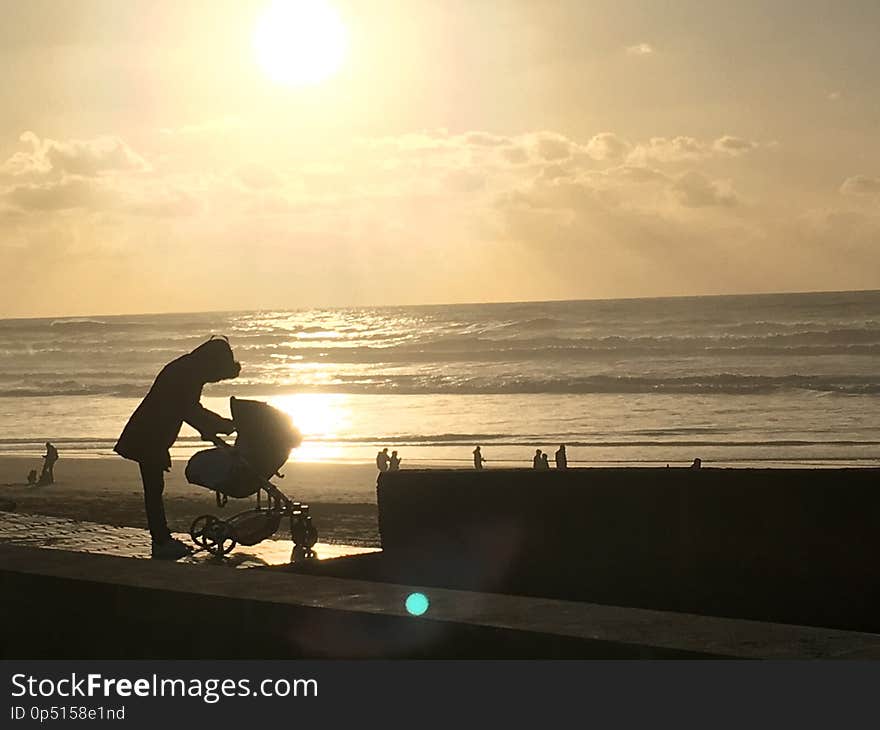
(461, 152)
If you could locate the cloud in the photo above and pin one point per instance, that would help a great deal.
(607, 146)
(668, 149)
(695, 190)
(607, 241)
(99, 195)
(83, 158)
(32, 162)
(639, 174)
(552, 146)
(66, 194)
(93, 157)
(413, 159)
(547, 146)
(640, 49)
(556, 171)
(519, 193)
(515, 155)
(861, 185)
(483, 139)
(735, 146)
(467, 168)
(689, 149)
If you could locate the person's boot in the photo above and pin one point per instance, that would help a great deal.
(170, 549)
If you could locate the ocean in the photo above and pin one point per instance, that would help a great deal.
(785, 379)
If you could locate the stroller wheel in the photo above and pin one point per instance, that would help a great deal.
(198, 528)
(303, 532)
(218, 538)
(301, 553)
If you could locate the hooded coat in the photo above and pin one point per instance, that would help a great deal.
(174, 398)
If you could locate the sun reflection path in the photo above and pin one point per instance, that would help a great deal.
(320, 417)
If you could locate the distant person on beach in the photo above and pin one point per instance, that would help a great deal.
(561, 458)
(394, 462)
(49, 458)
(698, 464)
(478, 459)
(383, 460)
(537, 462)
(545, 463)
(155, 425)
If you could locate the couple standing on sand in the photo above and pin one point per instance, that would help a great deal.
(387, 463)
(541, 459)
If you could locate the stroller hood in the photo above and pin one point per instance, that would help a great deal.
(265, 439)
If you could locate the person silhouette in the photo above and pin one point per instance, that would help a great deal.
(561, 457)
(537, 461)
(698, 464)
(155, 424)
(545, 463)
(47, 476)
(478, 459)
(394, 462)
(382, 460)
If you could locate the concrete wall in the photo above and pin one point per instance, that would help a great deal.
(789, 545)
(60, 604)
(66, 605)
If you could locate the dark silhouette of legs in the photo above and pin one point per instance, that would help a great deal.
(153, 478)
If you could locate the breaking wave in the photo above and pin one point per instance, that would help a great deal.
(724, 383)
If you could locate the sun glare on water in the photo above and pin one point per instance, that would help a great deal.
(300, 42)
(320, 417)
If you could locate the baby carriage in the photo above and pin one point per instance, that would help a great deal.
(264, 440)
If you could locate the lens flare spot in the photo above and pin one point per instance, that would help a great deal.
(417, 604)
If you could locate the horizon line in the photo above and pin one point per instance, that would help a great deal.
(445, 304)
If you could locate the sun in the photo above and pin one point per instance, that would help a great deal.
(300, 42)
(321, 418)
